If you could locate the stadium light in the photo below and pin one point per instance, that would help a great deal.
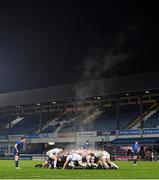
(38, 104)
(147, 92)
(51, 143)
(127, 94)
(53, 102)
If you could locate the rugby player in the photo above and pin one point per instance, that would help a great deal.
(104, 159)
(18, 147)
(135, 149)
(73, 158)
(54, 154)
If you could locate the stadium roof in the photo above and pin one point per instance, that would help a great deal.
(104, 87)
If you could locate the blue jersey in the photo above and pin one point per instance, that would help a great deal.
(19, 145)
(86, 146)
(135, 148)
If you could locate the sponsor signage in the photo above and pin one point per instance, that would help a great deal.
(87, 134)
(41, 135)
(129, 132)
(32, 136)
(48, 135)
(15, 137)
(106, 133)
(3, 137)
(150, 131)
(67, 134)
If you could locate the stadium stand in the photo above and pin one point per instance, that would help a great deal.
(103, 116)
(67, 121)
(96, 120)
(89, 120)
(27, 125)
(4, 120)
(108, 121)
(60, 112)
(81, 121)
(15, 121)
(147, 111)
(56, 121)
(153, 121)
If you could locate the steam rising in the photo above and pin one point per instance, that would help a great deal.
(100, 61)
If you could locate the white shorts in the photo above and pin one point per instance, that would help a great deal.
(52, 156)
(69, 157)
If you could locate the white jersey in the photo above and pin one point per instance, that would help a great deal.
(54, 151)
(102, 154)
(106, 155)
(74, 157)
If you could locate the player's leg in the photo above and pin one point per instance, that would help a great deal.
(50, 163)
(112, 164)
(65, 164)
(93, 162)
(71, 164)
(135, 160)
(39, 165)
(88, 160)
(17, 161)
(54, 158)
(81, 163)
(45, 163)
(100, 164)
(104, 163)
(55, 161)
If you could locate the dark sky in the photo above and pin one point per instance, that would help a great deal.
(44, 43)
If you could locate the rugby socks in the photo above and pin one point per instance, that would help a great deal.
(55, 162)
(114, 165)
(16, 163)
(105, 165)
(134, 162)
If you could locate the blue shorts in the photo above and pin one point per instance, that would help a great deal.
(16, 153)
(135, 153)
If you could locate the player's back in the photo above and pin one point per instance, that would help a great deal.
(54, 151)
(76, 156)
(19, 145)
(135, 148)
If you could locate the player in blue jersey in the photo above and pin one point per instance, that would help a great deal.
(135, 149)
(18, 147)
(87, 145)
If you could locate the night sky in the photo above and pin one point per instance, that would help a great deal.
(45, 43)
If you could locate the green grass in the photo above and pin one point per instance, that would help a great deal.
(144, 170)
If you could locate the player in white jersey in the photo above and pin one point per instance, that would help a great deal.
(72, 158)
(54, 154)
(109, 162)
(104, 159)
(90, 160)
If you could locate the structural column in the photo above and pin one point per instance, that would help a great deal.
(141, 112)
(117, 113)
